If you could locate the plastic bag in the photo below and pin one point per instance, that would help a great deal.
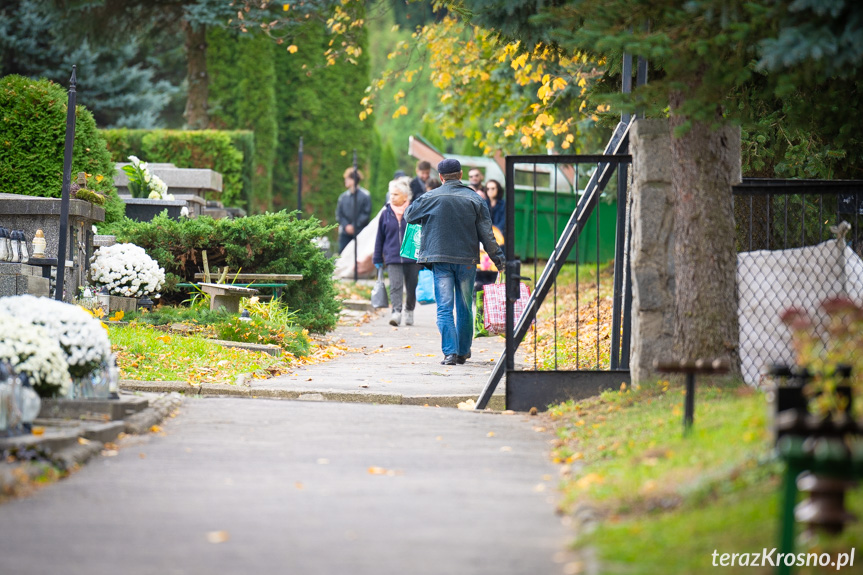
(411, 242)
(478, 327)
(425, 287)
(379, 292)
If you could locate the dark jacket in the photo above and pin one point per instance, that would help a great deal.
(455, 220)
(391, 233)
(345, 210)
(498, 215)
(417, 189)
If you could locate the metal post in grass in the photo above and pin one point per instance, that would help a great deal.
(300, 180)
(67, 181)
(690, 369)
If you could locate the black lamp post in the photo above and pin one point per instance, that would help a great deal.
(67, 180)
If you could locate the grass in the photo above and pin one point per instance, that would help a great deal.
(666, 502)
(347, 289)
(573, 329)
(147, 354)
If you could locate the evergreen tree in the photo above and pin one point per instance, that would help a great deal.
(118, 89)
(321, 104)
(243, 96)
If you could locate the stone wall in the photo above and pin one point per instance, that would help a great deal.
(652, 246)
(30, 213)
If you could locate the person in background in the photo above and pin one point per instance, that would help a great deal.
(455, 220)
(496, 205)
(432, 184)
(419, 185)
(403, 272)
(353, 209)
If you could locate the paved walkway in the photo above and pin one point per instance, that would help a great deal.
(239, 486)
(399, 361)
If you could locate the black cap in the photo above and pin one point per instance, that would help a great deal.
(448, 166)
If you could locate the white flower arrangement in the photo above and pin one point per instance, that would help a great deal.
(126, 270)
(81, 336)
(31, 351)
(142, 183)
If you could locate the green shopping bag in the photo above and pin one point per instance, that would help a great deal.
(411, 242)
(478, 323)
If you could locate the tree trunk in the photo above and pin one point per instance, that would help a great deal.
(705, 164)
(196, 76)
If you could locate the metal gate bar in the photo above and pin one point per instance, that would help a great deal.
(607, 163)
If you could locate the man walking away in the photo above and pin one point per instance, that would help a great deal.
(454, 220)
(353, 209)
(419, 185)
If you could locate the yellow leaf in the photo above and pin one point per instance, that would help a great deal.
(292, 49)
(155, 429)
(164, 338)
(218, 536)
(286, 7)
(401, 111)
(377, 470)
(558, 84)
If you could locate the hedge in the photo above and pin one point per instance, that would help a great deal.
(32, 139)
(268, 243)
(219, 150)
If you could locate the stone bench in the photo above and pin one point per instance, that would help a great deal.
(226, 295)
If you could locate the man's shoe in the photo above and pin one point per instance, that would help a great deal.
(449, 360)
(460, 359)
(409, 317)
(396, 318)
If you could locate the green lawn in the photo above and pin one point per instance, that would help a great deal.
(147, 354)
(666, 502)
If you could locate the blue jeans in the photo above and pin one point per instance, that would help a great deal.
(453, 286)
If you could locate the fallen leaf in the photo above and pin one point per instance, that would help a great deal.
(218, 536)
(164, 338)
(377, 470)
(155, 429)
(109, 452)
(323, 461)
(298, 485)
(366, 333)
(38, 430)
(468, 404)
(490, 434)
(405, 347)
(506, 448)
(539, 487)
(142, 455)
(426, 354)
(364, 385)
(83, 441)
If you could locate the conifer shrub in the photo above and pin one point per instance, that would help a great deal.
(276, 243)
(32, 138)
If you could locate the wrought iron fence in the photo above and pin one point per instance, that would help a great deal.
(798, 243)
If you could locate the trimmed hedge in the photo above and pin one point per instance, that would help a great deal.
(267, 243)
(32, 138)
(213, 149)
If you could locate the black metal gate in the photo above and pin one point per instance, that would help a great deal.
(585, 278)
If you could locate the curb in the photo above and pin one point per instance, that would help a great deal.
(222, 390)
(70, 443)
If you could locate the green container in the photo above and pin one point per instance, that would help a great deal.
(547, 234)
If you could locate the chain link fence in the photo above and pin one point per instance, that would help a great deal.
(799, 243)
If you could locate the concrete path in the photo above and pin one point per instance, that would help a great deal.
(401, 362)
(241, 486)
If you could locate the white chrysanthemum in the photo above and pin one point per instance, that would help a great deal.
(154, 195)
(32, 351)
(126, 270)
(81, 337)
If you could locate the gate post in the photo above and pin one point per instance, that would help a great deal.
(652, 248)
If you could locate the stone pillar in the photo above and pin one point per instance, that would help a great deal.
(652, 247)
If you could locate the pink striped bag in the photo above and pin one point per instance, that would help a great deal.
(494, 306)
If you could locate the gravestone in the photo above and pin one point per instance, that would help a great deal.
(191, 187)
(29, 214)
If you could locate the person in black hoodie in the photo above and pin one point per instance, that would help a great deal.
(403, 272)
